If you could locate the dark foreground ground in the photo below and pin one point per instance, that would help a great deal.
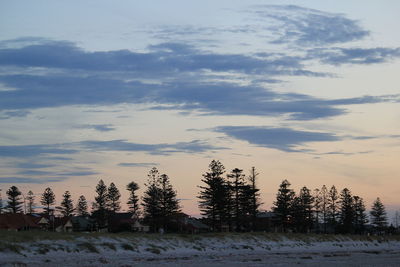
(252, 249)
(376, 258)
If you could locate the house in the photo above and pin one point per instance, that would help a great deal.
(63, 224)
(18, 222)
(125, 221)
(139, 227)
(119, 222)
(195, 226)
(41, 220)
(83, 224)
(266, 221)
(184, 223)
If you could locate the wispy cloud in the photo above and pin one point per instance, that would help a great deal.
(30, 180)
(13, 114)
(172, 60)
(97, 127)
(137, 164)
(28, 151)
(57, 173)
(284, 139)
(339, 56)
(22, 151)
(162, 59)
(305, 26)
(195, 146)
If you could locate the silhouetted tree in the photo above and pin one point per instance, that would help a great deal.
(82, 206)
(347, 213)
(14, 203)
(317, 207)
(253, 196)
(1, 203)
(303, 210)
(151, 200)
(283, 204)
(333, 206)
(48, 199)
(133, 201)
(66, 207)
(113, 197)
(31, 202)
(360, 216)
(396, 219)
(100, 205)
(169, 205)
(237, 189)
(214, 197)
(324, 198)
(378, 215)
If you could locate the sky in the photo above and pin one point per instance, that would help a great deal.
(303, 90)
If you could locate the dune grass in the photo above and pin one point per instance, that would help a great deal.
(32, 236)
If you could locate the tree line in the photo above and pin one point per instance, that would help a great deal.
(227, 201)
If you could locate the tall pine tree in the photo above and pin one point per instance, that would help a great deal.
(31, 202)
(66, 207)
(378, 215)
(317, 207)
(360, 216)
(303, 210)
(236, 187)
(254, 197)
(347, 213)
(113, 197)
(169, 204)
(48, 199)
(133, 201)
(325, 207)
(14, 203)
(1, 203)
(151, 200)
(82, 206)
(283, 208)
(214, 196)
(333, 207)
(100, 211)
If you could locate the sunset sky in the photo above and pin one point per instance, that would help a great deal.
(303, 90)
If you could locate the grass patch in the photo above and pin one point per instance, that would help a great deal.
(109, 245)
(88, 247)
(198, 248)
(153, 250)
(247, 247)
(43, 248)
(11, 247)
(127, 246)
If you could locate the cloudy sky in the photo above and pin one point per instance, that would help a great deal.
(303, 90)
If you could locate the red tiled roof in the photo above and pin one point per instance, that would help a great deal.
(17, 221)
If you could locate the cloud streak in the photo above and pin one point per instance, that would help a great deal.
(97, 127)
(29, 151)
(338, 56)
(284, 139)
(137, 164)
(304, 26)
(30, 180)
(162, 59)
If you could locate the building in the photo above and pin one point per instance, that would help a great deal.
(18, 222)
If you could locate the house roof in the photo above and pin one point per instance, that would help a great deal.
(17, 221)
(61, 221)
(121, 216)
(197, 224)
(266, 214)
